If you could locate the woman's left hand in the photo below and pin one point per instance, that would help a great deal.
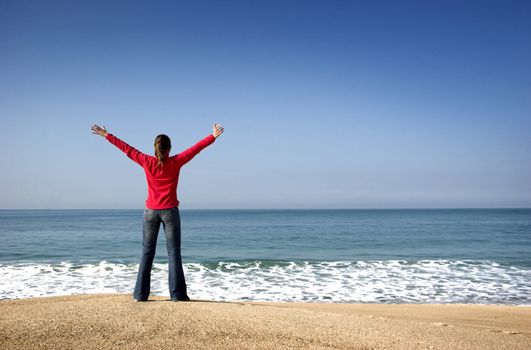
(96, 129)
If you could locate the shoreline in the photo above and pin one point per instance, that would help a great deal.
(104, 321)
(266, 302)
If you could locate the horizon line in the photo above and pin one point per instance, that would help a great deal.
(344, 208)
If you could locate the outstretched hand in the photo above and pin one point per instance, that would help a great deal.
(96, 129)
(218, 130)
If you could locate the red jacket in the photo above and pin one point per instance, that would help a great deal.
(162, 182)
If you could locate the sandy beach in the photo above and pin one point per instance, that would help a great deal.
(115, 321)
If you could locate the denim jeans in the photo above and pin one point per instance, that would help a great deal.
(171, 222)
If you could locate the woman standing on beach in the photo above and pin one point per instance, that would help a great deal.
(162, 206)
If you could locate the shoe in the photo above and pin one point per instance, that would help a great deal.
(186, 298)
(140, 300)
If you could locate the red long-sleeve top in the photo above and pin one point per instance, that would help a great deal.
(161, 181)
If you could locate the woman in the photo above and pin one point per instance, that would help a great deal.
(162, 206)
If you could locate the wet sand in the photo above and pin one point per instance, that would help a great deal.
(115, 321)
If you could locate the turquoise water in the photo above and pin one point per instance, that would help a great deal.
(450, 255)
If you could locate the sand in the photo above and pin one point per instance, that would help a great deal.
(115, 321)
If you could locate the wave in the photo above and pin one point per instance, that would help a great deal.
(392, 281)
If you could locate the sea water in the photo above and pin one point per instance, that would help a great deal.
(354, 256)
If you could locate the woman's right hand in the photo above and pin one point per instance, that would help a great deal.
(218, 130)
(96, 129)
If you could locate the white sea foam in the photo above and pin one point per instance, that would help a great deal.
(427, 281)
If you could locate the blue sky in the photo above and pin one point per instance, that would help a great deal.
(326, 104)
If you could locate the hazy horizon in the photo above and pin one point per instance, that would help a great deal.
(272, 209)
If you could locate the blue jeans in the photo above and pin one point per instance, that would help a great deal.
(171, 222)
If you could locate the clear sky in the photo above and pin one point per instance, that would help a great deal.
(326, 104)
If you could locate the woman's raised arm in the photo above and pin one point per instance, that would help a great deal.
(187, 155)
(137, 156)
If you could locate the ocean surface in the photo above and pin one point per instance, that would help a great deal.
(355, 256)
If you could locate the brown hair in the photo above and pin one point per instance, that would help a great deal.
(162, 146)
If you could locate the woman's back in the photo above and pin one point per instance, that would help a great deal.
(162, 179)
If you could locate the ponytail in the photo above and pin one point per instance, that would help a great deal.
(162, 146)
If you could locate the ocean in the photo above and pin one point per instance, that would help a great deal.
(479, 256)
